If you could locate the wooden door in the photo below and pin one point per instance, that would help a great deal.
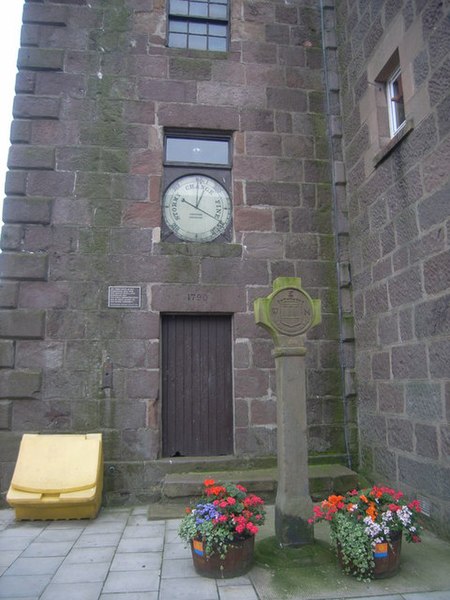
(197, 409)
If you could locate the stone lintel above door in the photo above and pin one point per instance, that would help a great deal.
(198, 298)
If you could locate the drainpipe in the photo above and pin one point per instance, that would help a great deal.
(339, 217)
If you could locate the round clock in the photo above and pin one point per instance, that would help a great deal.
(196, 208)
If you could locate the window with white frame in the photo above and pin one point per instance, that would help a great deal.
(395, 102)
(198, 24)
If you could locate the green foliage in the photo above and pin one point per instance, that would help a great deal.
(361, 519)
(354, 546)
(225, 512)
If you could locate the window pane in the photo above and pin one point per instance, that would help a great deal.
(179, 7)
(197, 42)
(177, 40)
(188, 150)
(199, 28)
(218, 30)
(216, 11)
(178, 26)
(396, 105)
(198, 9)
(217, 44)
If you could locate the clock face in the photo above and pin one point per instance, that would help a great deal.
(196, 208)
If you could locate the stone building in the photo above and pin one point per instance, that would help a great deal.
(396, 155)
(169, 160)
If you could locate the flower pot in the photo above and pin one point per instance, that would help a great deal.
(236, 562)
(387, 557)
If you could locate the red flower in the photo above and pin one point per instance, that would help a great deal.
(415, 505)
(252, 528)
(208, 482)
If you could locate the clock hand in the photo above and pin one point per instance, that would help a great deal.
(196, 197)
(200, 209)
(199, 199)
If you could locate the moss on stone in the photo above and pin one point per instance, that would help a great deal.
(94, 241)
(289, 566)
(114, 160)
(319, 125)
(188, 68)
(192, 249)
(107, 216)
(182, 269)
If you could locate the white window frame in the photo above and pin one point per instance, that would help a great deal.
(395, 102)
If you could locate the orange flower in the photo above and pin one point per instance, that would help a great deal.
(364, 498)
(371, 511)
(208, 482)
(334, 500)
(215, 490)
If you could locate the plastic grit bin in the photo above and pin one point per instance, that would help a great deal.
(57, 477)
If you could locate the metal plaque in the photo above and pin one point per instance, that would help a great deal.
(124, 296)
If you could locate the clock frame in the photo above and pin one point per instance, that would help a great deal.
(197, 207)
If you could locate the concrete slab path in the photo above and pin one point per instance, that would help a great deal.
(123, 556)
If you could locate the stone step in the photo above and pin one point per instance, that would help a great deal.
(178, 489)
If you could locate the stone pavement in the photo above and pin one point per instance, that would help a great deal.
(123, 556)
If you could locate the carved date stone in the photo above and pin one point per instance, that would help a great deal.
(288, 313)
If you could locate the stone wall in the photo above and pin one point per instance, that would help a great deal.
(96, 88)
(398, 193)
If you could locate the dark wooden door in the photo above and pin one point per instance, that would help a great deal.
(197, 409)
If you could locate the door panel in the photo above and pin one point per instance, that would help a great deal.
(197, 409)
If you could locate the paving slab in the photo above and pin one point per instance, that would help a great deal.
(181, 589)
(132, 581)
(19, 586)
(69, 591)
(81, 573)
(137, 559)
(42, 565)
(237, 592)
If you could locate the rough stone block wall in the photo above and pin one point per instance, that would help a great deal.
(96, 88)
(399, 194)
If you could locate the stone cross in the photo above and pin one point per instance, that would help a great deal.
(288, 313)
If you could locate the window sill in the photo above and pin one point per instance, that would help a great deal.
(393, 142)
(205, 54)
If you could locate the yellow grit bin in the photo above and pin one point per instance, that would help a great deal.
(57, 477)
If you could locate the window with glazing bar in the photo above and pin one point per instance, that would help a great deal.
(198, 24)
